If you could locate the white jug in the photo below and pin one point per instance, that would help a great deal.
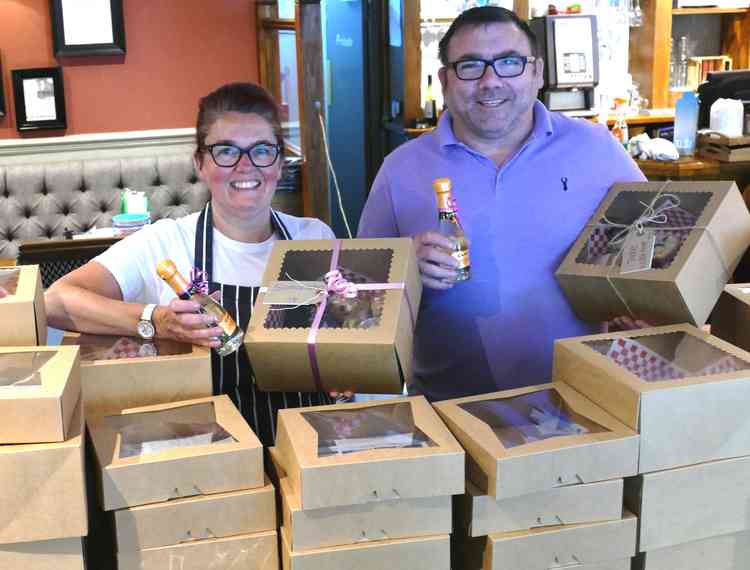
(727, 117)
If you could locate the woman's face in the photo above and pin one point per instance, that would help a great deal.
(244, 190)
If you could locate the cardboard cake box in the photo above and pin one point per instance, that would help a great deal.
(700, 231)
(39, 389)
(44, 489)
(256, 551)
(537, 438)
(169, 451)
(730, 320)
(725, 552)
(682, 505)
(59, 554)
(23, 307)
(351, 454)
(119, 372)
(354, 524)
(478, 514)
(420, 553)
(683, 390)
(362, 315)
(194, 518)
(600, 545)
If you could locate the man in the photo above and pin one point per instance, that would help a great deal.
(526, 181)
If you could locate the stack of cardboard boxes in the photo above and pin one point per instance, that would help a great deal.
(686, 393)
(367, 486)
(186, 485)
(43, 500)
(545, 469)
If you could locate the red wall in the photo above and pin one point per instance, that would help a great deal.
(177, 51)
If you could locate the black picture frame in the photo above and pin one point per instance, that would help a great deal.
(67, 46)
(42, 83)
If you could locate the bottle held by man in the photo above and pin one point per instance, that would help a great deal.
(449, 226)
(231, 338)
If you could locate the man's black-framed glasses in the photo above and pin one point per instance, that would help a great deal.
(228, 155)
(505, 66)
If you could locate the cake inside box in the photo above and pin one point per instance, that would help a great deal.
(517, 420)
(667, 356)
(672, 215)
(360, 266)
(104, 347)
(374, 427)
(173, 428)
(21, 369)
(9, 280)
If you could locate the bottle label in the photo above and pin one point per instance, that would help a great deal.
(462, 256)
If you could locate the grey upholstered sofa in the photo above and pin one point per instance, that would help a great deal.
(39, 201)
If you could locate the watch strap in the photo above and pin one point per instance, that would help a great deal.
(148, 312)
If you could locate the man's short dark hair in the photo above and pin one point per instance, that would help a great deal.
(481, 16)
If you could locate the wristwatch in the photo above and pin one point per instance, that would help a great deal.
(146, 328)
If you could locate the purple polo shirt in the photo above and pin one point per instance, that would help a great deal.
(496, 331)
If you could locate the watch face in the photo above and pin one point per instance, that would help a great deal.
(145, 329)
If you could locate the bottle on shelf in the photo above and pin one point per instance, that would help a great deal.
(686, 123)
(450, 226)
(430, 107)
(231, 338)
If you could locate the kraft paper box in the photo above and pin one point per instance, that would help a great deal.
(682, 505)
(44, 489)
(726, 552)
(478, 514)
(352, 454)
(700, 231)
(537, 438)
(23, 307)
(354, 524)
(257, 551)
(730, 320)
(60, 554)
(119, 372)
(685, 391)
(169, 451)
(594, 545)
(194, 518)
(39, 389)
(421, 553)
(366, 319)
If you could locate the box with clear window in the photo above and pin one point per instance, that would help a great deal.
(182, 449)
(367, 452)
(538, 438)
(23, 308)
(120, 372)
(328, 302)
(684, 390)
(39, 389)
(730, 319)
(657, 251)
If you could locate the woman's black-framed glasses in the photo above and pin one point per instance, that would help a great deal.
(505, 66)
(227, 155)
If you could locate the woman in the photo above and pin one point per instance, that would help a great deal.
(239, 156)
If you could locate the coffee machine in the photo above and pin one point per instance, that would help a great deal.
(569, 46)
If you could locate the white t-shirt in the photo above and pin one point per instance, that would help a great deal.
(132, 261)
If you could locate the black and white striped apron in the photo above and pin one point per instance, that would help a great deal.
(233, 374)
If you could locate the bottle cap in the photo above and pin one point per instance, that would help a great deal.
(441, 185)
(166, 269)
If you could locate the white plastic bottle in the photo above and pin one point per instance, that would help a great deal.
(727, 117)
(686, 123)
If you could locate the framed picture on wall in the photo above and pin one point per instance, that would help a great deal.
(39, 98)
(87, 27)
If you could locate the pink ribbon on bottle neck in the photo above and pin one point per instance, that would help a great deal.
(336, 284)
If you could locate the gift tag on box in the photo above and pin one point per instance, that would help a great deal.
(638, 251)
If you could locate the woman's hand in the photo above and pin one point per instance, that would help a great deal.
(437, 266)
(180, 320)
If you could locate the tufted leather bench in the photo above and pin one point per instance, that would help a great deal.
(42, 201)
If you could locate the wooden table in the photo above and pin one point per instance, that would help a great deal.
(696, 168)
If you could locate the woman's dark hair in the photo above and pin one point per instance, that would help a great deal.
(240, 98)
(481, 16)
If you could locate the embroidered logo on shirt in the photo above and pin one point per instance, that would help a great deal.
(564, 181)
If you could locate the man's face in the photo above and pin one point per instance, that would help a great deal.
(491, 108)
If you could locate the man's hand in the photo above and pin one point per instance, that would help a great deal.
(437, 266)
(3, 293)
(180, 320)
